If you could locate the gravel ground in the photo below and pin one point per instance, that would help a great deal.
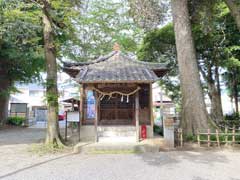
(17, 163)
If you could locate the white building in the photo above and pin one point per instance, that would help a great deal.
(33, 94)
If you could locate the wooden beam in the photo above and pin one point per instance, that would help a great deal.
(151, 107)
(116, 85)
(137, 116)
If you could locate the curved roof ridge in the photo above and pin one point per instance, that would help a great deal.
(99, 59)
(143, 62)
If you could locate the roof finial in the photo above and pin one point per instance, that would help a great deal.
(116, 47)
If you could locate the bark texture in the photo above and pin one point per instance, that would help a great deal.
(219, 100)
(235, 95)
(214, 92)
(5, 84)
(53, 135)
(216, 105)
(194, 114)
(234, 6)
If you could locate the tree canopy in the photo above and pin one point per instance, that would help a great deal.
(216, 40)
(21, 48)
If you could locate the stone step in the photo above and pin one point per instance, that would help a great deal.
(117, 139)
(117, 133)
(116, 128)
(113, 147)
(106, 147)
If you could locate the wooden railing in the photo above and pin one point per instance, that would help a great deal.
(227, 136)
(224, 135)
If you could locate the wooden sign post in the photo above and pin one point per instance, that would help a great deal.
(72, 116)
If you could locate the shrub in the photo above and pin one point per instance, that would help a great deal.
(158, 130)
(231, 120)
(234, 116)
(17, 121)
(190, 137)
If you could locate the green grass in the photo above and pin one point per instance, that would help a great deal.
(44, 149)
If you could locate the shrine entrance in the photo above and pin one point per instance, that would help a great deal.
(117, 111)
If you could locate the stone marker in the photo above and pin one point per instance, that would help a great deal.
(168, 125)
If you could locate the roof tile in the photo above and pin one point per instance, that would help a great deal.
(115, 67)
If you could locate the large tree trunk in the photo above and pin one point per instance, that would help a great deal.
(234, 6)
(53, 135)
(194, 114)
(5, 84)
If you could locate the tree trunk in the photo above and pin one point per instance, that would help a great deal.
(4, 95)
(216, 105)
(234, 6)
(215, 95)
(235, 95)
(53, 134)
(218, 82)
(194, 114)
(219, 100)
(214, 92)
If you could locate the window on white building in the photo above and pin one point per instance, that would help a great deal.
(35, 93)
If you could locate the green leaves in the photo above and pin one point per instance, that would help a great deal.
(101, 24)
(159, 46)
(21, 49)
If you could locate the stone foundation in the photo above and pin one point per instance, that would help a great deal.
(87, 132)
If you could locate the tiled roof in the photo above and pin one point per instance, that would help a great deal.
(115, 67)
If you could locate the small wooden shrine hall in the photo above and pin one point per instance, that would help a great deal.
(116, 90)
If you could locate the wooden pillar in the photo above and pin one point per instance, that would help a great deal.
(233, 135)
(151, 107)
(198, 138)
(208, 137)
(81, 111)
(72, 105)
(137, 115)
(96, 116)
(81, 108)
(66, 127)
(217, 137)
(116, 110)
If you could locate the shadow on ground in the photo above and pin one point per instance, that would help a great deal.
(174, 157)
(34, 165)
